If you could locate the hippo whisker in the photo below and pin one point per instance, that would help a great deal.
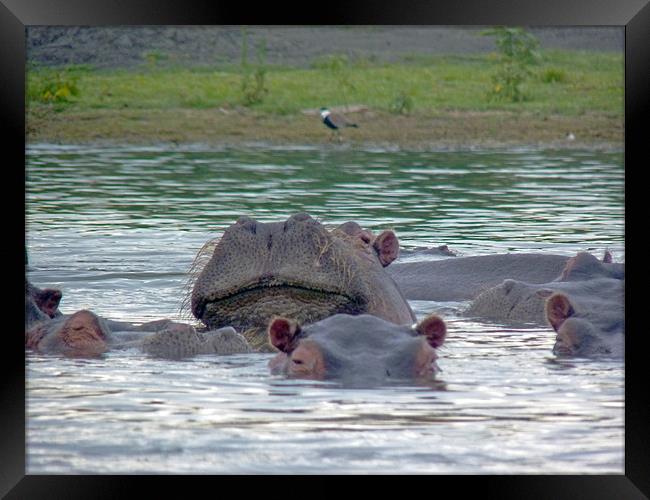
(296, 268)
(199, 262)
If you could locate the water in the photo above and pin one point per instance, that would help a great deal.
(117, 229)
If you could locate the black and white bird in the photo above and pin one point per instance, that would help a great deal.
(335, 121)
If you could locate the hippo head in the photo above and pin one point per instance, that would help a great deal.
(356, 349)
(83, 334)
(585, 266)
(511, 300)
(592, 334)
(46, 300)
(40, 305)
(296, 269)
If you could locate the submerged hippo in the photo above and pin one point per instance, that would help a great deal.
(587, 328)
(463, 278)
(81, 334)
(84, 334)
(584, 305)
(584, 266)
(584, 276)
(300, 270)
(356, 349)
(515, 300)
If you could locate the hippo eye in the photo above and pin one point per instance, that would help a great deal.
(298, 361)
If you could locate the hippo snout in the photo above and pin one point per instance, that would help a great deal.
(297, 268)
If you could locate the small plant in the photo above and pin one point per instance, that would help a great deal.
(339, 66)
(402, 104)
(253, 80)
(517, 53)
(553, 75)
(52, 86)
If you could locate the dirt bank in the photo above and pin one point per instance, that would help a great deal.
(227, 127)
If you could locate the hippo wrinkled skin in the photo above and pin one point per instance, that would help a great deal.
(583, 276)
(356, 349)
(297, 269)
(84, 334)
(584, 305)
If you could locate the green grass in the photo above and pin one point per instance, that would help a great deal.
(590, 82)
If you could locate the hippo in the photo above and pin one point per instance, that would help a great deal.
(463, 278)
(584, 305)
(84, 334)
(40, 304)
(178, 341)
(361, 349)
(297, 269)
(81, 334)
(590, 329)
(585, 266)
(514, 300)
(583, 276)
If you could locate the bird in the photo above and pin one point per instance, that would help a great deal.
(570, 136)
(335, 121)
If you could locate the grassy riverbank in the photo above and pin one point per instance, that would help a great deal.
(418, 102)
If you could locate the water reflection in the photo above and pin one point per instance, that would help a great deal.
(117, 229)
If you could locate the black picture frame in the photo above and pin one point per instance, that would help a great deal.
(15, 15)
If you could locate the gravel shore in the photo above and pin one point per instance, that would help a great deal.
(129, 46)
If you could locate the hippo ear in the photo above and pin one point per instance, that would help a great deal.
(558, 309)
(48, 301)
(434, 329)
(607, 257)
(282, 333)
(387, 247)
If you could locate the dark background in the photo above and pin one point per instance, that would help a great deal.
(16, 14)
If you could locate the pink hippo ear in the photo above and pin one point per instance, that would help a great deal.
(558, 309)
(282, 333)
(387, 247)
(434, 329)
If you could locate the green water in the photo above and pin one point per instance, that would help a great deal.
(117, 228)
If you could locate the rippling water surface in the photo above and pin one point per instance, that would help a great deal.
(117, 229)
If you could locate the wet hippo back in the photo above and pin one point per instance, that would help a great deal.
(297, 269)
(463, 278)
